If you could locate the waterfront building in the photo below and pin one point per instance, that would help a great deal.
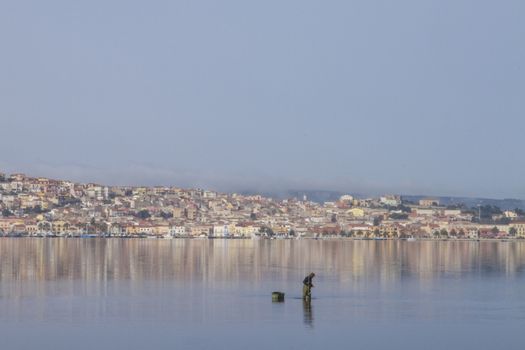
(510, 214)
(519, 227)
(390, 200)
(429, 202)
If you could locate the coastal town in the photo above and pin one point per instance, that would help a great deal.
(43, 207)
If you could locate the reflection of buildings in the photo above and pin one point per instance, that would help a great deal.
(217, 261)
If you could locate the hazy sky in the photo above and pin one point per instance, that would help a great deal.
(415, 97)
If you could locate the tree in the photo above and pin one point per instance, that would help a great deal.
(253, 216)
(266, 230)
(166, 215)
(443, 233)
(453, 233)
(37, 209)
(404, 208)
(503, 221)
(7, 212)
(143, 214)
(101, 227)
(456, 206)
(334, 218)
(487, 211)
(398, 216)
(495, 230)
(377, 220)
(513, 231)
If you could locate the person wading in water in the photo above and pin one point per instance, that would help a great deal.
(307, 287)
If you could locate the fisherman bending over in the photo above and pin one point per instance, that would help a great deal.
(307, 287)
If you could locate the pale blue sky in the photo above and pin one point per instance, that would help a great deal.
(415, 97)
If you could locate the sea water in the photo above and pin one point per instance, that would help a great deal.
(216, 294)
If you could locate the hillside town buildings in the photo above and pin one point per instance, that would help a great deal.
(47, 207)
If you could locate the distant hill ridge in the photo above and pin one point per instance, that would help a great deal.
(321, 196)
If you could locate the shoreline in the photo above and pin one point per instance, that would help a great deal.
(510, 239)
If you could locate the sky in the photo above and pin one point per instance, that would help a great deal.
(410, 97)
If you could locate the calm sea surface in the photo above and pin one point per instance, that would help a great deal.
(216, 294)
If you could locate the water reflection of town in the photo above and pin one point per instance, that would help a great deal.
(340, 262)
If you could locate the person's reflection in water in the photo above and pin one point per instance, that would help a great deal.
(308, 313)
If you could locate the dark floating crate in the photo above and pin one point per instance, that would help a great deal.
(278, 297)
